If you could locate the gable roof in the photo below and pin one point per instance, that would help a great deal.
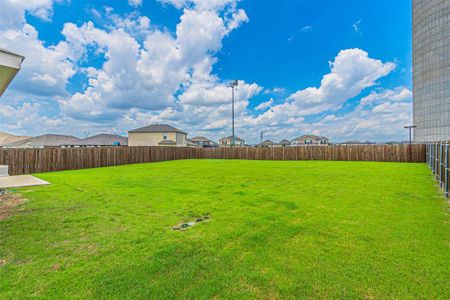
(229, 138)
(104, 139)
(6, 138)
(200, 139)
(266, 143)
(310, 136)
(46, 140)
(157, 128)
(284, 142)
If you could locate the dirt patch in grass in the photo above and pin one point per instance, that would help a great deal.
(7, 204)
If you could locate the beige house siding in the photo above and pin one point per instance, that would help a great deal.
(227, 143)
(153, 138)
(181, 139)
(310, 141)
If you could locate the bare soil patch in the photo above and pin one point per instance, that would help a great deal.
(7, 204)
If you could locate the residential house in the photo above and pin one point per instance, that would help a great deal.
(284, 143)
(268, 143)
(191, 144)
(351, 142)
(227, 141)
(6, 138)
(157, 135)
(102, 140)
(310, 140)
(203, 142)
(45, 141)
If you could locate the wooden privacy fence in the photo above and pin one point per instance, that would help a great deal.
(26, 161)
(438, 160)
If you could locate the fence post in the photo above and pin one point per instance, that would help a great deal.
(432, 158)
(436, 160)
(439, 156)
(430, 155)
(446, 170)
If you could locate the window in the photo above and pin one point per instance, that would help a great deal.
(165, 136)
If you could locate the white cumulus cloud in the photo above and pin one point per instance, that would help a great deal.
(135, 3)
(150, 74)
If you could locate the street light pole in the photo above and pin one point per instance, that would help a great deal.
(410, 129)
(410, 142)
(233, 84)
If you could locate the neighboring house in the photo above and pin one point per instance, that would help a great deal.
(310, 140)
(203, 142)
(190, 143)
(102, 140)
(227, 141)
(284, 143)
(44, 141)
(352, 143)
(157, 135)
(394, 143)
(6, 138)
(268, 143)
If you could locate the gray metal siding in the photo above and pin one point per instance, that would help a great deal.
(431, 70)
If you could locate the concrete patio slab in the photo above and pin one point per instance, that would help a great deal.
(20, 181)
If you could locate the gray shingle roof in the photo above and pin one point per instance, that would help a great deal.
(284, 142)
(46, 140)
(104, 140)
(200, 139)
(310, 136)
(266, 143)
(157, 128)
(236, 138)
(6, 138)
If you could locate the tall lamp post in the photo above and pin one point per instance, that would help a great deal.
(233, 84)
(410, 127)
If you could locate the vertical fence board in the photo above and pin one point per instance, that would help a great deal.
(26, 161)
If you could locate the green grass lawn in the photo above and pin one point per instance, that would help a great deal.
(278, 229)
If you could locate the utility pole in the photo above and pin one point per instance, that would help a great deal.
(233, 84)
(410, 127)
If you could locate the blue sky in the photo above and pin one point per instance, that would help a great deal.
(336, 68)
